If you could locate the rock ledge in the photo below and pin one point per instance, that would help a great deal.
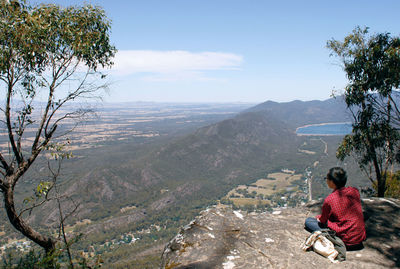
(222, 238)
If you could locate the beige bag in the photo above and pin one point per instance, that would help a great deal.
(321, 245)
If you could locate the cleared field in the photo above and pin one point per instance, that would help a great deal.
(275, 183)
(284, 176)
(248, 201)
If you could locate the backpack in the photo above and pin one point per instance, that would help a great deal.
(321, 245)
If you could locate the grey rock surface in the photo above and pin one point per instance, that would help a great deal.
(223, 238)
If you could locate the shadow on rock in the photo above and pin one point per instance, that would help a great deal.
(382, 224)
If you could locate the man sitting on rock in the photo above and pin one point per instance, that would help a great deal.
(341, 211)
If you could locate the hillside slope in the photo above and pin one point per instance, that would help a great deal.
(204, 165)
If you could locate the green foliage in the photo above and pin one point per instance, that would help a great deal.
(392, 185)
(31, 260)
(41, 191)
(58, 151)
(372, 66)
(38, 259)
(33, 37)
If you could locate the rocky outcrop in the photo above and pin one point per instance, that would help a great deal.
(222, 238)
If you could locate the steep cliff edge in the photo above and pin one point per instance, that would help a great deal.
(222, 238)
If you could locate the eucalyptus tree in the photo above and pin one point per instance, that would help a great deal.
(372, 65)
(42, 49)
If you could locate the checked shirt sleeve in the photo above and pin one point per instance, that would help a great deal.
(326, 211)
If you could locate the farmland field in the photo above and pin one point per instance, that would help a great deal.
(257, 192)
(248, 201)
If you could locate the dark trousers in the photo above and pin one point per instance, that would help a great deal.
(312, 225)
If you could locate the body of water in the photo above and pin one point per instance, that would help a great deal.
(325, 129)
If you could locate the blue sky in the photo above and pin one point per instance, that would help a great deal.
(233, 50)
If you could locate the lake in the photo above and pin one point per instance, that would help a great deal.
(342, 128)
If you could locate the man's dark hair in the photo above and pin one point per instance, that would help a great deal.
(338, 176)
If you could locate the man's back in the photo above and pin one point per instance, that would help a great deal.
(343, 212)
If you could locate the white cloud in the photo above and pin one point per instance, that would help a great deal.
(179, 76)
(173, 65)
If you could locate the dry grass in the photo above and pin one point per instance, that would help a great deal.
(69, 228)
(127, 208)
(248, 201)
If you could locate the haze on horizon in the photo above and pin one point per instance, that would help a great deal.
(232, 50)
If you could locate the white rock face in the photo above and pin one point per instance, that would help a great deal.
(269, 240)
(238, 214)
(228, 265)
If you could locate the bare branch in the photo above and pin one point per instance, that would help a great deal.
(62, 230)
(35, 206)
(22, 118)
(66, 64)
(2, 186)
(17, 154)
(394, 104)
(368, 174)
(44, 118)
(80, 91)
(43, 144)
(396, 108)
(4, 164)
(55, 174)
(76, 206)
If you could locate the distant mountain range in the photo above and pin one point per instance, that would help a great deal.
(298, 113)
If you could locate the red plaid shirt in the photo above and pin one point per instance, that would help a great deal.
(343, 212)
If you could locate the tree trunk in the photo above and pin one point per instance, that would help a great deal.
(381, 181)
(47, 243)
